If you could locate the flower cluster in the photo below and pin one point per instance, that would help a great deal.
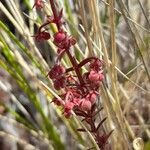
(79, 90)
(77, 96)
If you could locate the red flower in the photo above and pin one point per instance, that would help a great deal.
(92, 97)
(63, 41)
(38, 4)
(96, 76)
(85, 105)
(93, 76)
(56, 71)
(95, 64)
(68, 108)
(59, 37)
(41, 36)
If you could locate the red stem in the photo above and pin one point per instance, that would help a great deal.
(82, 63)
(85, 61)
(75, 66)
(43, 25)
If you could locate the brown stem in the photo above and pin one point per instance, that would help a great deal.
(86, 60)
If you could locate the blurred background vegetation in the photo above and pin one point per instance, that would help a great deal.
(116, 31)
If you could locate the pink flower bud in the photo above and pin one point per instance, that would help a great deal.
(59, 37)
(85, 105)
(92, 97)
(93, 76)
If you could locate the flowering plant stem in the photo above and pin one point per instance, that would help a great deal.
(80, 91)
(72, 59)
